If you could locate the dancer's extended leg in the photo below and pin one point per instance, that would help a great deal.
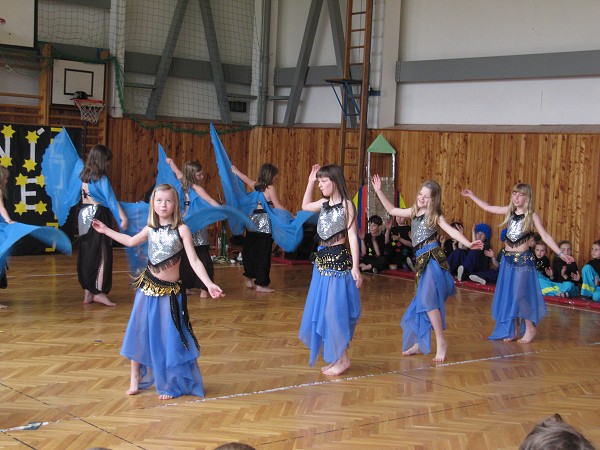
(435, 317)
(134, 382)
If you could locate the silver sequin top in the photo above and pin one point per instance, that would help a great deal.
(332, 220)
(261, 220)
(420, 232)
(163, 243)
(200, 237)
(515, 234)
(86, 215)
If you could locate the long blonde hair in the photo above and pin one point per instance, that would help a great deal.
(153, 220)
(529, 207)
(434, 209)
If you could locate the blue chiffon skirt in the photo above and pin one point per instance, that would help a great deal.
(518, 295)
(434, 288)
(152, 340)
(330, 315)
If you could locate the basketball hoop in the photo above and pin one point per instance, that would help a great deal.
(90, 109)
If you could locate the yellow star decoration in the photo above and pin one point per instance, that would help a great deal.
(32, 137)
(20, 208)
(29, 164)
(40, 208)
(40, 180)
(20, 180)
(5, 161)
(8, 131)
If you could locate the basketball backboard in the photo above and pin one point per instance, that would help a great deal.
(69, 77)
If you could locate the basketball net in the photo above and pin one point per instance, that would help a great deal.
(90, 109)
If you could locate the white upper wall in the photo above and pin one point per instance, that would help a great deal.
(441, 29)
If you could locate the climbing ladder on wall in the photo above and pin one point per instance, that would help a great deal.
(354, 90)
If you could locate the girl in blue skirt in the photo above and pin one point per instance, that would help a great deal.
(159, 339)
(433, 279)
(333, 302)
(518, 293)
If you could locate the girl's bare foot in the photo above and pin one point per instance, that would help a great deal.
(440, 355)
(339, 367)
(88, 297)
(3, 306)
(102, 298)
(530, 333)
(328, 366)
(203, 294)
(510, 339)
(249, 283)
(165, 397)
(414, 350)
(263, 289)
(188, 292)
(134, 386)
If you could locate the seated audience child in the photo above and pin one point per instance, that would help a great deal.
(473, 261)
(563, 271)
(590, 275)
(544, 272)
(372, 247)
(491, 275)
(400, 249)
(449, 245)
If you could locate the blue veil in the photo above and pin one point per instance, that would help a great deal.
(287, 230)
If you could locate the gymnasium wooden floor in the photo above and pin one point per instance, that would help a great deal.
(63, 382)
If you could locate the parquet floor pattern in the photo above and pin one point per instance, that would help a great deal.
(60, 365)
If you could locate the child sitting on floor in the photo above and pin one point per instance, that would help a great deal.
(544, 271)
(590, 275)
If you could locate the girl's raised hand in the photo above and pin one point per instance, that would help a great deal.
(466, 193)
(313, 172)
(376, 183)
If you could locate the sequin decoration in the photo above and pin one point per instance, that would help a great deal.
(85, 218)
(200, 237)
(261, 221)
(163, 243)
(420, 232)
(332, 220)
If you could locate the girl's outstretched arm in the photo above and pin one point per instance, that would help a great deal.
(245, 178)
(122, 238)
(389, 207)
(186, 236)
(483, 204)
(307, 203)
(549, 240)
(204, 195)
(457, 235)
(353, 241)
(174, 168)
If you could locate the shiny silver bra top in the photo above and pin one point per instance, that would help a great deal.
(332, 220)
(164, 243)
(420, 232)
(515, 233)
